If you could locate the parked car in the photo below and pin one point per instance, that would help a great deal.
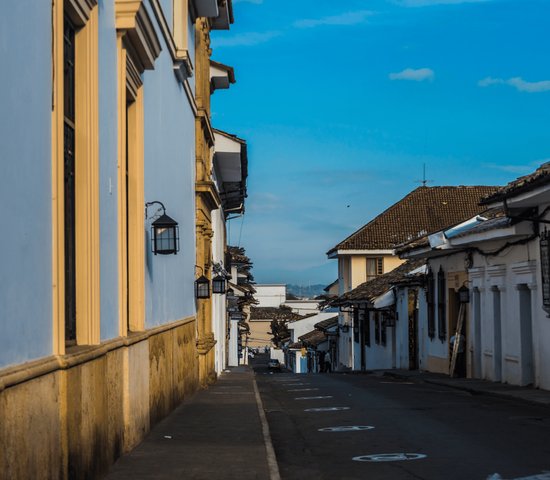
(274, 364)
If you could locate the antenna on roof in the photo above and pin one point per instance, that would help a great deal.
(424, 180)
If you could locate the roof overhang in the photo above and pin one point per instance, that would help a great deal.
(385, 300)
(231, 166)
(337, 253)
(221, 76)
(516, 231)
(206, 8)
(224, 19)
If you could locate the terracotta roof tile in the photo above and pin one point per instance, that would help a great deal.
(541, 176)
(425, 210)
(313, 338)
(368, 291)
(328, 323)
(274, 313)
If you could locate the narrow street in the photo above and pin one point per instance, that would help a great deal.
(446, 433)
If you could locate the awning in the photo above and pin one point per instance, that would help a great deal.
(385, 300)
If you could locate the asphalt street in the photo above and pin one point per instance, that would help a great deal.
(361, 426)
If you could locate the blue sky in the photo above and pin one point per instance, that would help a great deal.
(342, 102)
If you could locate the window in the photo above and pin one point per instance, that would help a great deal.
(356, 325)
(375, 267)
(441, 305)
(75, 174)
(377, 333)
(430, 300)
(545, 269)
(366, 328)
(383, 330)
(69, 31)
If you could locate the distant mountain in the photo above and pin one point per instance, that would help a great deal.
(305, 291)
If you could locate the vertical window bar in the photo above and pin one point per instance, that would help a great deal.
(441, 306)
(69, 177)
(430, 294)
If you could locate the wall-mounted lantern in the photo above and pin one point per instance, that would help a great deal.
(164, 233)
(218, 284)
(464, 294)
(202, 287)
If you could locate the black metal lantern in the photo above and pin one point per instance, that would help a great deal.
(164, 233)
(218, 284)
(464, 294)
(202, 287)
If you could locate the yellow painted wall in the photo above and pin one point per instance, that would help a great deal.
(258, 333)
(391, 262)
(76, 420)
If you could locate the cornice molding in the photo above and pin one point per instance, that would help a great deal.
(79, 10)
(496, 271)
(524, 267)
(141, 39)
(204, 118)
(208, 192)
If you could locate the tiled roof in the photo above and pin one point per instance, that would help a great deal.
(313, 338)
(274, 313)
(541, 176)
(368, 291)
(328, 323)
(495, 219)
(425, 210)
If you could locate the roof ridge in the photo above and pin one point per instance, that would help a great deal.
(431, 217)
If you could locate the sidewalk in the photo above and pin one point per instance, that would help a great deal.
(219, 433)
(496, 389)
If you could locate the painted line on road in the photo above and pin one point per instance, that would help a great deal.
(270, 451)
(347, 428)
(303, 390)
(231, 393)
(390, 457)
(314, 398)
(326, 409)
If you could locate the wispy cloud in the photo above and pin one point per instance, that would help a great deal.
(247, 39)
(518, 83)
(517, 169)
(347, 18)
(429, 3)
(416, 75)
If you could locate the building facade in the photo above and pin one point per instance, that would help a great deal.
(98, 313)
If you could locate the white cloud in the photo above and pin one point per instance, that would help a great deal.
(348, 18)
(428, 3)
(518, 83)
(417, 75)
(246, 39)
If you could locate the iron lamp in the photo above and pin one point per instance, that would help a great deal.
(164, 233)
(218, 284)
(202, 287)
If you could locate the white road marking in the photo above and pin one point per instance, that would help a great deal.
(313, 398)
(303, 390)
(326, 409)
(346, 428)
(389, 457)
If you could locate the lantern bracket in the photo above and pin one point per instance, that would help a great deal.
(149, 204)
